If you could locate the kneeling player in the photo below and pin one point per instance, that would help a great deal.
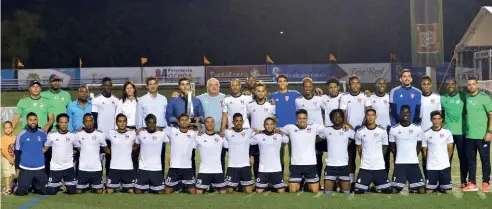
(90, 169)
(337, 140)
(149, 174)
(210, 145)
(405, 139)
(239, 169)
(270, 170)
(183, 141)
(121, 167)
(62, 143)
(437, 149)
(372, 141)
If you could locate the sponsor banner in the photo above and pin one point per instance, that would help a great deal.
(295, 73)
(66, 75)
(462, 74)
(172, 74)
(7, 113)
(226, 73)
(117, 74)
(443, 71)
(368, 72)
(8, 74)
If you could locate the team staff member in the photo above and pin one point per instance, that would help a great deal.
(58, 98)
(405, 94)
(78, 108)
(37, 104)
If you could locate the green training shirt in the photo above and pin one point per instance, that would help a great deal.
(40, 106)
(58, 101)
(477, 109)
(454, 107)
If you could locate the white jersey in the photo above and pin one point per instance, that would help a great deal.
(269, 146)
(238, 143)
(90, 144)
(62, 150)
(303, 143)
(313, 108)
(337, 141)
(151, 149)
(182, 145)
(372, 142)
(382, 106)
(329, 104)
(129, 109)
(429, 103)
(233, 105)
(121, 149)
(106, 110)
(406, 139)
(437, 148)
(210, 147)
(259, 112)
(355, 107)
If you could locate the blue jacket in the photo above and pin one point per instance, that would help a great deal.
(76, 114)
(410, 96)
(178, 106)
(29, 146)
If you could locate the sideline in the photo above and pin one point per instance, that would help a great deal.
(33, 202)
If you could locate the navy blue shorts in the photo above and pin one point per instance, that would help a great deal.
(239, 175)
(153, 180)
(333, 173)
(407, 172)
(441, 176)
(205, 180)
(123, 177)
(93, 179)
(366, 177)
(276, 179)
(185, 175)
(308, 172)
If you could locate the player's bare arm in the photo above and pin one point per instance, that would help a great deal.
(488, 135)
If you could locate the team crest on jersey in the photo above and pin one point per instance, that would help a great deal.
(94, 137)
(243, 134)
(39, 138)
(242, 102)
(412, 96)
(127, 136)
(359, 100)
(442, 135)
(432, 101)
(266, 109)
(286, 98)
(308, 130)
(410, 131)
(274, 137)
(154, 137)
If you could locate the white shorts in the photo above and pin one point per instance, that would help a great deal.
(8, 170)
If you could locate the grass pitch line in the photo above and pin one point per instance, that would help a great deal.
(299, 193)
(318, 195)
(457, 193)
(249, 196)
(482, 195)
(266, 193)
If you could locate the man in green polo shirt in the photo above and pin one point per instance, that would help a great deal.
(453, 106)
(479, 134)
(34, 102)
(58, 98)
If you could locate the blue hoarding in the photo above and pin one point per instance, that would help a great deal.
(444, 71)
(318, 72)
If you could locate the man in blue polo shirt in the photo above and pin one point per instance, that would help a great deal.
(78, 108)
(405, 94)
(29, 146)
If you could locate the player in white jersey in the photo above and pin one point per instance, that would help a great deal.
(232, 104)
(90, 169)
(337, 141)
(303, 152)
(437, 149)
(331, 101)
(354, 103)
(121, 168)
(270, 170)
(405, 141)
(183, 141)
(62, 144)
(149, 175)
(372, 142)
(239, 169)
(210, 145)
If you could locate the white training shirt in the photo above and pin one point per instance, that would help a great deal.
(372, 142)
(121, 149)
(233, 105)
(259, 112)
(270, 146)
(437, 148)
(129, 109)
(90, 144)
(303, 143)
(313, 108)
(62, 150)
(150, 149)
(355, 107)
(106, 109)
(382, 106)
(182, 145)
(329, 104)
(406, 139)
(429, 103)
(238, 143)
(210, 147)
(337, 141)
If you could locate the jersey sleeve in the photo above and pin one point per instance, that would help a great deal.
(487, 104)
(319, 129)
(351, 134)
(285, 130)
(343, 103)
(18, 142)
(358, 138)
(95, 105)
(19, 109)
(420, 136)
(391, 137)
(285, 139)
(450, 139)
(225, 144)
(224, 106)
(424, 140)
(254, 141)
(75, 141)
(384, 138)
(102, 141)
(167, 132)
(297, 104)
(49, 140)
(322, 135)
(367, 102)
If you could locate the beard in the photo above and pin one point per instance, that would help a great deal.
(33, 126)
(83, 99)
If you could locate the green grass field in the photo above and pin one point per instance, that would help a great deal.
(267, 200)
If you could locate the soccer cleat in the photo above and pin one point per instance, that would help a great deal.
(463, 185)
(485, 187)
(470, 187)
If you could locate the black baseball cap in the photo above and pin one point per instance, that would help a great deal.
(32, 82)
(54, 77)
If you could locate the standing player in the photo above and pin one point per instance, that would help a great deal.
(121, 168)
(453, 108)
(405, 141)
(284, 100)
(234, 103)
(183, 141)
(303, 156)
(380, 102)
(90, 170)
(62, 143)
(250, 86)
(239, 170)
(331, 101)
(437, 148)
(270, 170)
(149, 174)
(354, 103)
(430, 102)
(372, 142)
(478, 134)
(405, 94)
(210, 145)
(337, 140)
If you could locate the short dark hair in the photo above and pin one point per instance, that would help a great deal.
(87, 115)
(106, 79)
(121, 115)
(7, 122)
(183, 115)
(335, 111)
(151, 78)
(451, 78)
(353, 77)
(405, 71)
(282, 76)
(125, 95)
(209, 118)
(31, 114)
(237, 115)
(333, 80)
(301, 111)
(426, 77)
(371, 110)
(183, 79)
(63, 115)
(150, 116)
(405, 106)
(472, 78)
(377, 80)
(436, 112)
(269, 118)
